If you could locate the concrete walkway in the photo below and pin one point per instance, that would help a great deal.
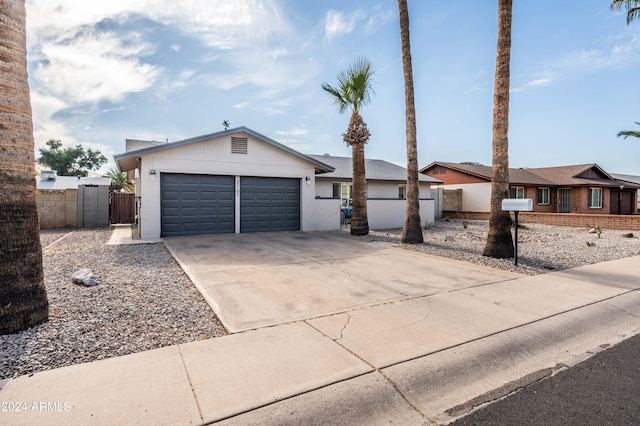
(421, 358)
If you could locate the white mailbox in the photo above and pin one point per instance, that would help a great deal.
(517, 204)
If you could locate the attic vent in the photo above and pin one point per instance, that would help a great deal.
(238, 145)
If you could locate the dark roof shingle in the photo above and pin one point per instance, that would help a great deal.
(375, 169)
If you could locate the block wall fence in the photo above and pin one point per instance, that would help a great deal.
(575, 220)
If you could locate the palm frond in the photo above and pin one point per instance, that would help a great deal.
(632, 7)
(626, 133)
(354, 88)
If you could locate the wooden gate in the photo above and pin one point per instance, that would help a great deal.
(122, 207)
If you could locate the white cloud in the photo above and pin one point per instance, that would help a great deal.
(241, 105)
(95, 67)
(539, 82)
(337, 23)
(536, 82)
(45, 128)
(90, 56)
(76, 56)
(293, 132)
(611, 56)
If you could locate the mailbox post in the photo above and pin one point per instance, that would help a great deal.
(517, 205)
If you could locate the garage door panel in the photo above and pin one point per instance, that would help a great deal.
(226, 195)
(225, 211)
(269, 204)
(196, 204)
(209, 196)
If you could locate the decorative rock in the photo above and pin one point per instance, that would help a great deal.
(449, 238)
(593, 230)
(629, 235)
(84, 277)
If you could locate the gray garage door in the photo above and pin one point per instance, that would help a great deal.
(269, 204)
(196, 204)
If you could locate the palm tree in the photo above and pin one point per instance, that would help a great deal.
(412, 232)
(499, 241)
(119, 180)
(23, 297)
(632, 133)
(226, 124)
(353, 92)
(632, 6)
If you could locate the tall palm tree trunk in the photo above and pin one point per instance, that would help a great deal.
(499, 241)
(357, 135)
(412, 232)
(23, 298)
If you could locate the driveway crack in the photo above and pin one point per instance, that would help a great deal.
(344, 327)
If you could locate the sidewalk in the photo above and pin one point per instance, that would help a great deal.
(427, 360)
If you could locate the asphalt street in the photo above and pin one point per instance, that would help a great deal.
(603, 390)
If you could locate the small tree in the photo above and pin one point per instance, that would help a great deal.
(73, 161)
(352, 93)
(119, 180)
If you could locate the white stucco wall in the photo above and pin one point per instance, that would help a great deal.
(326, 213)
(476, 197)
(215, 157)
(381, 189)
(375, 189)
(384, 214)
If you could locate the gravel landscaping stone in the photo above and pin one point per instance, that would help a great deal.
(541, 248)
(144, 301)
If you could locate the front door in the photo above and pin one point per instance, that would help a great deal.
(564, 200)
(621, 202)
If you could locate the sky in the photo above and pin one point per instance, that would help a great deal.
(103, 72)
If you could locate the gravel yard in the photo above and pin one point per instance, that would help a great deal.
(541, 248)
(145, 300)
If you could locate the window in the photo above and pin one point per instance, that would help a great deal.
(439, 170)
(595, 198)
(543, 195)
(402, 191)
(517, 192)
(343, 191)
(336, 190)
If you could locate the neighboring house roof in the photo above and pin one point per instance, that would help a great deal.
(375, 170)
(574, 175)
(626, 178)
(69, 182)
(484, 172)
(128, 160)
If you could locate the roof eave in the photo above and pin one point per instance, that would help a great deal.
(120, 158)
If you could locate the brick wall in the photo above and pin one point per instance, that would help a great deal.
(58, 209)
(576, 220)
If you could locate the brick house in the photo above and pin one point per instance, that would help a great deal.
(583, 188)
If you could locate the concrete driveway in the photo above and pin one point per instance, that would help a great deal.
(262, 279)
